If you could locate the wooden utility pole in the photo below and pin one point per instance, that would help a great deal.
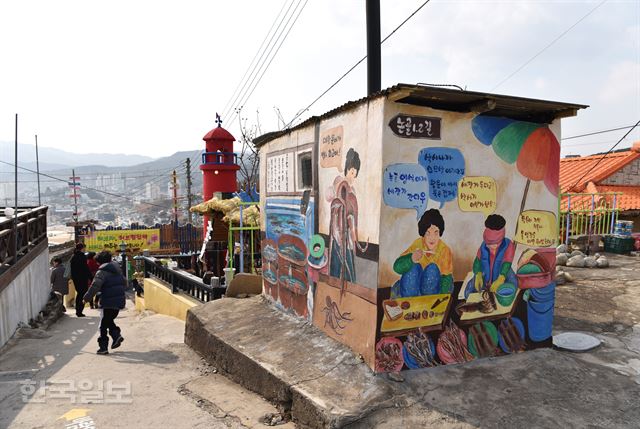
(189, 190)
(174, 188)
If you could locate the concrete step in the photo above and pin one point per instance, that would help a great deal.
(287, 361)
(324, 385)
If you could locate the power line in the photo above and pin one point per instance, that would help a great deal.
(158, 178)
(300, 112)
(604, 156)
(549, 45)
(83, 187)
(598, 132)
(247, 96)
(241, 96)
(235, 92)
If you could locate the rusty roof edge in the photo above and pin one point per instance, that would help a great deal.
(434, 90)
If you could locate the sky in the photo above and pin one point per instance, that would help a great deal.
(147, 77)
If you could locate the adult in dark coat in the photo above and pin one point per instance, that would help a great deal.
(110, 282)
(59, 283)
(80, 275)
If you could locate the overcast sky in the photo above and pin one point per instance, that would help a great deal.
(147, 77)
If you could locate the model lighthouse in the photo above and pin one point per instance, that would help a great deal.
(219, 164)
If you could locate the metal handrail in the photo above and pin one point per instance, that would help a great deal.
(181, 282)
(30, 230)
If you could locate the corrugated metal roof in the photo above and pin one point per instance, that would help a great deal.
(526, 109)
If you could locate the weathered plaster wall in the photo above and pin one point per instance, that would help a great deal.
(25, 296)
(329, 250)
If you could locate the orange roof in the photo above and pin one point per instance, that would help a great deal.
(630, 198)
(583, 169)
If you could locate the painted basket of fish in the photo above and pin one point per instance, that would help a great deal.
(535, 269)
(292, 249)
(293, 278)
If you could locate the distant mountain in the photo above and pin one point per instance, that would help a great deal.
(56, 158)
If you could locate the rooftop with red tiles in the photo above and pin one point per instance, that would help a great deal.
(577, 172)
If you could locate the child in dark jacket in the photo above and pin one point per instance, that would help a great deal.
(111, 284)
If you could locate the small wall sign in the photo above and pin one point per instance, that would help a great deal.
(416, 127)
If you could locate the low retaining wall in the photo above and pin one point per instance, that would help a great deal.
(26, 292)
(158, 298)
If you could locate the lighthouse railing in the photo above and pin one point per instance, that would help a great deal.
(219, 158)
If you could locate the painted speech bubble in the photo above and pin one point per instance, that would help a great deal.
(331, 148)
(405, 187)
(537, 228)
(445, 167)
(477, 194)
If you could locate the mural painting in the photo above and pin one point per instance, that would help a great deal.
(288, 235)
(426, 238)
(346, 308)
(505, 302)
(289, 229)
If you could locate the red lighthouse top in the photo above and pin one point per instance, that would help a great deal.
(219, 139)
(218, 133)
(219, 155)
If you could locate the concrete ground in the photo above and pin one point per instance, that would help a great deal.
(152, 381)
(605, 303)
(326, 386)
(160, 382)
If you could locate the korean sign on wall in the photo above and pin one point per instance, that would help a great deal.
(280, 173)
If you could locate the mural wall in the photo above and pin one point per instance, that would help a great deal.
(467, 234)
(427, 237)
(349, 221)
(288, 216)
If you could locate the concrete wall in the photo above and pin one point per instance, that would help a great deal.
(331, 252)
(629, 175)
(25, 296)
(158, 298)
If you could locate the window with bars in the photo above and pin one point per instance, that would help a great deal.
(305, 170)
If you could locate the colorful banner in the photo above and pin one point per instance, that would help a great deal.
(137, 240)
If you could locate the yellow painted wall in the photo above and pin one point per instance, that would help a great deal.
(158, 298)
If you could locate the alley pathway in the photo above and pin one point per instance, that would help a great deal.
(54, 379)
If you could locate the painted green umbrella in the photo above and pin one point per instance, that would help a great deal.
(532, 147)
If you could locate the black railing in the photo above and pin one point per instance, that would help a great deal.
(181, 281)
(220, 158)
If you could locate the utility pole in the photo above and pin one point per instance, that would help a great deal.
(15, 213)
(174, 188)
(189, 190)
(38, 172)
(374, 74)
(74, 185)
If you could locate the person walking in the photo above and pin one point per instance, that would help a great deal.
(80, 275)
(59, 283)
(93, 269)
(110, 282)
